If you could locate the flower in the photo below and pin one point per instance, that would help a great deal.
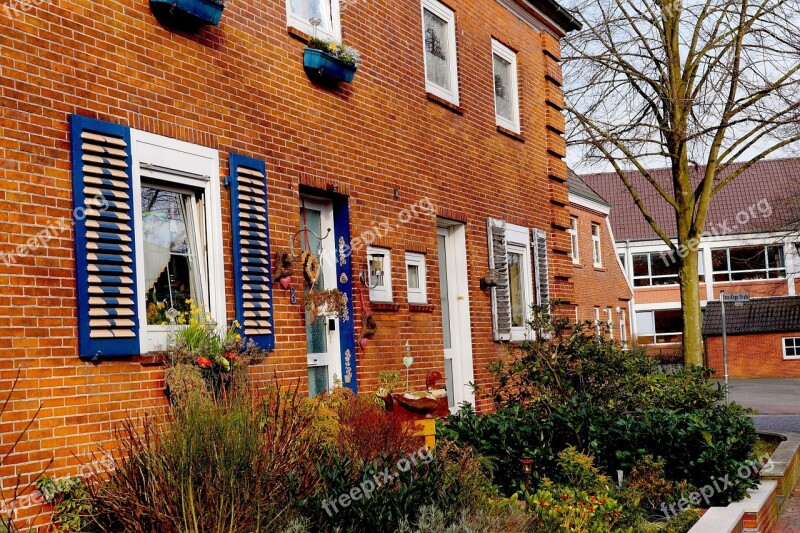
(204, 362)
(232, 357)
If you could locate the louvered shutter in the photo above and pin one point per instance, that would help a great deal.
(501, 295)
(105, 256)
(542, 271)
(251, 255)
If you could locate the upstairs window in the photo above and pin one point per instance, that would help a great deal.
(439, 38)
(301, 13)
(748, 263)
(656, 268)
(573, 239)
(506, 96)
(597, 252)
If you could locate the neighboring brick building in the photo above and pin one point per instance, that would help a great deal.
(750, 244)
(602, 292)
(212, 148)
(763, 337)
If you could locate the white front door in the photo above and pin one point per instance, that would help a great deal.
(454, 299)
(322, 333)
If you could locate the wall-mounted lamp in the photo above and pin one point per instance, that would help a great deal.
(489, 279)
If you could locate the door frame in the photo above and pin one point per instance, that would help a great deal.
(460, 325)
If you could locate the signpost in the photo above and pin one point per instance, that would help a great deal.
(738, 298)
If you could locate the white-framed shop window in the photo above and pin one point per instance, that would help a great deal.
(506, 90)
(439, 42)
(301, 13)
(380, 274)
(416, 278)
(178, 227)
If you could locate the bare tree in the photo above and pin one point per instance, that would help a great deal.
(694, 86)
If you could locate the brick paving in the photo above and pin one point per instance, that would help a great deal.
(789, 519)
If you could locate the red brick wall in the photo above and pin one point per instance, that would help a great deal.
(241, 87)
(604, 287)
(753, 356)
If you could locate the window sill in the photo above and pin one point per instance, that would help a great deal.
(444, 103)
(420, 308)
(384, 306)
(600, 268)
(150, 359)
(510, 133)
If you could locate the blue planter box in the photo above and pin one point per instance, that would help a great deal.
(187, 12)
(321, 65)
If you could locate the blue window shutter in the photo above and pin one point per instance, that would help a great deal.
(105, 251)
(252, 279)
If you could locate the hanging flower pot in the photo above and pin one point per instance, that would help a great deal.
(330, 61)
(188, 13)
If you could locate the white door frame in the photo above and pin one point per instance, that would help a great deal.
(332, 358)
(460, 328)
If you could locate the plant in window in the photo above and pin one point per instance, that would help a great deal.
(330, 60)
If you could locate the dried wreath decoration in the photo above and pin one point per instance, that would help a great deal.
(284, 267)
(310, 267)
(329, 302)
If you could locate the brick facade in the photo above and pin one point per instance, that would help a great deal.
(599, 287)
(241, 87)
(753, 356)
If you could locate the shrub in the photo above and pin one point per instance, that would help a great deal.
(70, 501)
(213, 465)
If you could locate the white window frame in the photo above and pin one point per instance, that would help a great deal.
(197, 168)
(305, 26)
(610, 321)
(768, 271)
(449, 16)
(380, 294)
(641, 333)
(518, 241)
(795, 344)
(418, 295)
(597, 245)
(623, 328)
(504, 52)
(574, 240)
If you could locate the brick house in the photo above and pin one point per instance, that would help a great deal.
(143, 164)
(602, 292)
(750, 244)
(763, 337)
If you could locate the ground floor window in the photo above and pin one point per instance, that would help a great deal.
(791, 347)
(659, 326)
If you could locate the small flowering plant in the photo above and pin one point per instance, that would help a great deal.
(201, 351)
(346, 54)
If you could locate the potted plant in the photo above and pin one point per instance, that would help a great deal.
(328, 60)
(330, 302)
(188, 13)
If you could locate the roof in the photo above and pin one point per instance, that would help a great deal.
(769, 186)
(578, 187)
(759, 315)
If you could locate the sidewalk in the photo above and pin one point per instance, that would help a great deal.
(789, 519)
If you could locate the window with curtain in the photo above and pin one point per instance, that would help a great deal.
(439, 37)
(327, 11)
(172, 264)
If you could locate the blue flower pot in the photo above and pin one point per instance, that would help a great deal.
(318, 64)
(187, 12)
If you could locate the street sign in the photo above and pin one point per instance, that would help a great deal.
(736, 297)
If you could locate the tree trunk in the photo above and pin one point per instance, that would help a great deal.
(690, 303)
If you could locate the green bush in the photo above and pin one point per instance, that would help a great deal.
(70, 501)
(578, 389)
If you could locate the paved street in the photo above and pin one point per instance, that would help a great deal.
(777, 402)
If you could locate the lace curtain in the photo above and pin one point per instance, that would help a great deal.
(437, 52)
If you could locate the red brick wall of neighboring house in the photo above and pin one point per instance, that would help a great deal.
(753, 356)
(604, 287)
(241, 87)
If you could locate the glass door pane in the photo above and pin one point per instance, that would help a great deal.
(316, 334)
(444, 293)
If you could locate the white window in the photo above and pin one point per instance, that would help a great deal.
(520, 280)
(597, 253)
(380, 274)
(439, 39)
(415, 278)
(597, 318)
(610, 322)
(573, 239)
(506, 94)
(791, 347)
(659, 326)
(623, 329)
(748, 263)
(301, 13)
(178, 233)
